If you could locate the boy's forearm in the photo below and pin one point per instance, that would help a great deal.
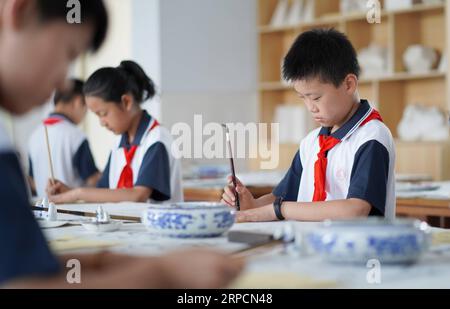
(320, 211)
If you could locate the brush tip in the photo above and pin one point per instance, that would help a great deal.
(226, 128)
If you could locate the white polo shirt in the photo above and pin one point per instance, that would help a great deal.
(72, 158)
(153, 164)
(360, 166)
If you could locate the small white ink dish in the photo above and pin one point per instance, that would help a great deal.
(102, 223)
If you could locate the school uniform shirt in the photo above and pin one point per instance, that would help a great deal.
(24, 250)
(72, 158)
(147, 162)
(357, 161)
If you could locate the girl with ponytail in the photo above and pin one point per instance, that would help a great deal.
(141, 166)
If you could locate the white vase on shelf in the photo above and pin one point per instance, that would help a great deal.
(353, 6)
(373, 60)
(295, 13)
(420, 59)
(443, 65)
(280, 14)
(421, 123)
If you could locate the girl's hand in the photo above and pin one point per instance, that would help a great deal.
(65, 198)
(246, 199)
(56, 187)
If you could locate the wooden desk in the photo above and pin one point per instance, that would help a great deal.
(415, 208)
(423, 207)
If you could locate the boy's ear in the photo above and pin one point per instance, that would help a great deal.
(351, 83)
(127, 102)
(14, 13)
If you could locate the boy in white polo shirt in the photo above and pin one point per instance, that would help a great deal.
(72, 158)
(343, 170)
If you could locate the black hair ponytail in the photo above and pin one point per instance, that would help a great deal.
(145, 88)
(111, 84)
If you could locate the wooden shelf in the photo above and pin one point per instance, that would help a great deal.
(402, 76)
(338, 18)
(390, 93)
(272, 29)
(418, 8)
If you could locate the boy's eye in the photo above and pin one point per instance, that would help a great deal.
(317, 99)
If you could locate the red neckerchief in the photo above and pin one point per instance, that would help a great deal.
(320, 167)
(126, 177)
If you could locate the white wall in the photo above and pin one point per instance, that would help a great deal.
(117, 47)
(209, 62)
(146, 46)
(209, 45)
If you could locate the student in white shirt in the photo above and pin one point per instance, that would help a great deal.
(343, 170)
(72, 158)
(141, 166)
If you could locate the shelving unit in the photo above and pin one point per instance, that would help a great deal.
(390, 93)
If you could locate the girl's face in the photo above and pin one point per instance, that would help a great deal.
(35, 56)
(115, 117)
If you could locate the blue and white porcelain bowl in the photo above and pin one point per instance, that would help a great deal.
(397, 241)
(189, 220)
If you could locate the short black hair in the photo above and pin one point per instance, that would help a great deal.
(110, 84)
(324, 53)
(93, 11)
(66, 96)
